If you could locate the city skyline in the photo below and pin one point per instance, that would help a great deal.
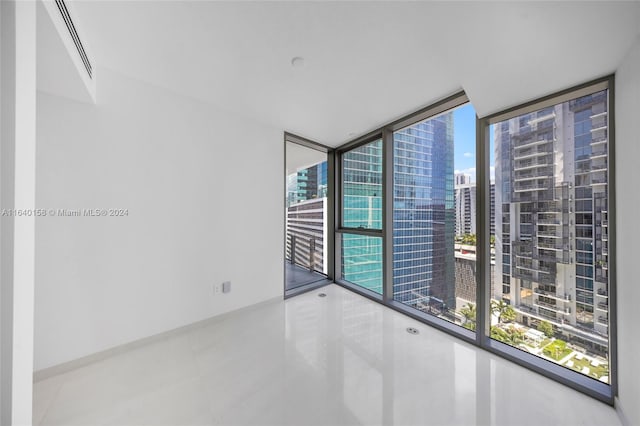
(550, 219)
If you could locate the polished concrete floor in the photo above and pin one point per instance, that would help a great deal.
(336, 360)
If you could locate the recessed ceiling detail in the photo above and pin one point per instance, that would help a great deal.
(62, 7)
(373, 62)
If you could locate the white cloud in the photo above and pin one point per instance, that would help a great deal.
(468, 154)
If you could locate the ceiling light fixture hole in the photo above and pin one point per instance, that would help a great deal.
(297, 62)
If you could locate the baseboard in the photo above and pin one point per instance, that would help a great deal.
(65, 367)
(623, 417)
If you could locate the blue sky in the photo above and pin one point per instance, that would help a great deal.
(464, 146)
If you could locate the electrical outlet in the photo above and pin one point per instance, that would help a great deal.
(217, 288)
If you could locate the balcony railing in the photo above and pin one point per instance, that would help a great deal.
(549, 234)
(548, 221)
(546, 255)
(533, 173)
(531, 163)
(304, 252)
(601, 276)
(540, 185)
(563, 297)
(522, 273)
(549, 207)
(535, 151)
(550, 245)
(547, 269)
(548, 305)
(523, 143)
(546, 279)
(599, 129)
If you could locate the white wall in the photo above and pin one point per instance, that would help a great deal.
(17, 193)
(204, 191)
(628, 231)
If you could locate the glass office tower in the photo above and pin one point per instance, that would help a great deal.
(424, 215)
(362, 209)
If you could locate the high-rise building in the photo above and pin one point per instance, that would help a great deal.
(362, 208)
(424, 215)
(462, 179)
(307, 184)
(306, 217)
(551, 239)
(465, 197)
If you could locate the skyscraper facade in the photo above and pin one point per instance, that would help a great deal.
(307, 184)
(362, 209)
(465, 199)
(424, 215)
(551, 222)
(462, 179)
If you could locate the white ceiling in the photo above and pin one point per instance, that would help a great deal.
(366, 63)
(300, 157)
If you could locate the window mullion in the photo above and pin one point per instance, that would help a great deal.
(387, 214)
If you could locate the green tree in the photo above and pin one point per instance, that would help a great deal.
(468, 311)
(469, 239)
(509, 314)
(546, 328)
(504, 311)
(511, 336)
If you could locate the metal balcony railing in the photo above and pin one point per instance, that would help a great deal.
(531, 163)
(530, 174)
(548, 221)
(534, 151)
(540, 185)
(305, 252)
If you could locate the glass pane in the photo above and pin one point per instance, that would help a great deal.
(362, 261)
(362, 187)
(550, 292)
(433, 232)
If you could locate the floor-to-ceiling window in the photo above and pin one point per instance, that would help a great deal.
(497, 229)
(552, 173)
(361, 216)
(434, 202)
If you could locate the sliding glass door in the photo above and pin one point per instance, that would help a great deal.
(307, 213)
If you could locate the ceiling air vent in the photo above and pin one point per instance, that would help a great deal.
(62, 7)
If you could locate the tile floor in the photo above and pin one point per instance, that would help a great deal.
(337, 360)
